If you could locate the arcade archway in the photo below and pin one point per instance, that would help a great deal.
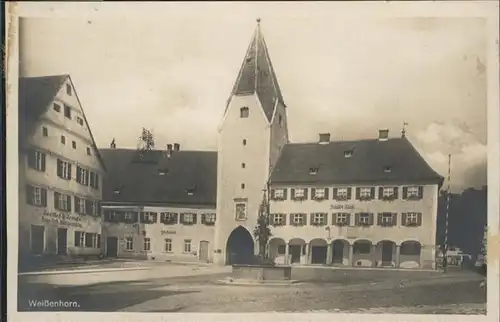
(239, 247)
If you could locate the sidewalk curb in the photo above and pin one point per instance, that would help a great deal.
(84, 271)
(245, 282)
(349, 268)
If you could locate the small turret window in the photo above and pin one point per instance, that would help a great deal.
(244, 112)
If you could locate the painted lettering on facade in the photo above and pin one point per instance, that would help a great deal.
(60, 218)
(342, 207)
(168, 232)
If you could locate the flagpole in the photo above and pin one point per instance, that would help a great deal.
(445, 252)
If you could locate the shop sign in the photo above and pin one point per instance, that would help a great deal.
(168, 232)
(342, 207)
(61, 218)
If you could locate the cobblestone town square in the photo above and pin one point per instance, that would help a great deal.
(320, 290)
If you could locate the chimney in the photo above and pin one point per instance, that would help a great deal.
(113, 144)
(169, 147)
(383, 134)
(177, 146)
(324, 138)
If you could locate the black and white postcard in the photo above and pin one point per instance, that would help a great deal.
(252, 161)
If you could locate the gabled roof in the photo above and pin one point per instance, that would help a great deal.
(139, 180)
(35, 97)
(257, 75)
(36, 94)
(368, 163)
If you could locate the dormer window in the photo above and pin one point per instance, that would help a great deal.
(190, 191)
(348, 153)
(313, 171)
(387, 169)
(244, 112)
(116, 191)
(162, 172)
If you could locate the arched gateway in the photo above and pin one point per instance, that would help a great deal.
(239, 247)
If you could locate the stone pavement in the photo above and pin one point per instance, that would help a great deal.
(346, 292)
(463, 309)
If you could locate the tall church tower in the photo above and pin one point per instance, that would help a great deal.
(251, 135)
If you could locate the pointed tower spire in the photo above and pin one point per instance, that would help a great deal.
(257, 74)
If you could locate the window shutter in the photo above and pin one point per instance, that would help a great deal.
(271, 219)
(334, 218)
(311, 216)
(98, 240)
(405, 192)
(29, 194)
(372, 192)
(68, 198)
(335, 193)
(44, 197)
(88, 207)
(292, 193)
(31, 159)
(325, 216)
(273, 191)
(306, 193)
(87, 174)
(348, 219)
(403, 219)
(154, 219)
(349, 193)
(291, 220)
(356, 219)
(69, 171)
(194, 219)
(394, 219)
(380, 192)
(99, 210)
(203, 220)
(43, 162)
(77, 204)
(420, 192)
(285, 192)
(305, 219)
(396, 190)
(142, 217)
(313, 193)
(371, 217)
(96, 181)
(326, 194)
(379, 219)
(419, 219)
(358, 193)
(59, 168)
(77, 239)
(56, 200)
(78, 174)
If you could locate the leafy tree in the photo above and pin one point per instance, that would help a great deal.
(147, 142)
(262, 231)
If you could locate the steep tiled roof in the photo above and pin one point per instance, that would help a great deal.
(368, 163)
(257, 75)
(35, 97)
(36, 93)
(139, 181)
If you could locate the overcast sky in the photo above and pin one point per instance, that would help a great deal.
(347, 76)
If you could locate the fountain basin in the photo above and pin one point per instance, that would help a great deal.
(261, 272)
